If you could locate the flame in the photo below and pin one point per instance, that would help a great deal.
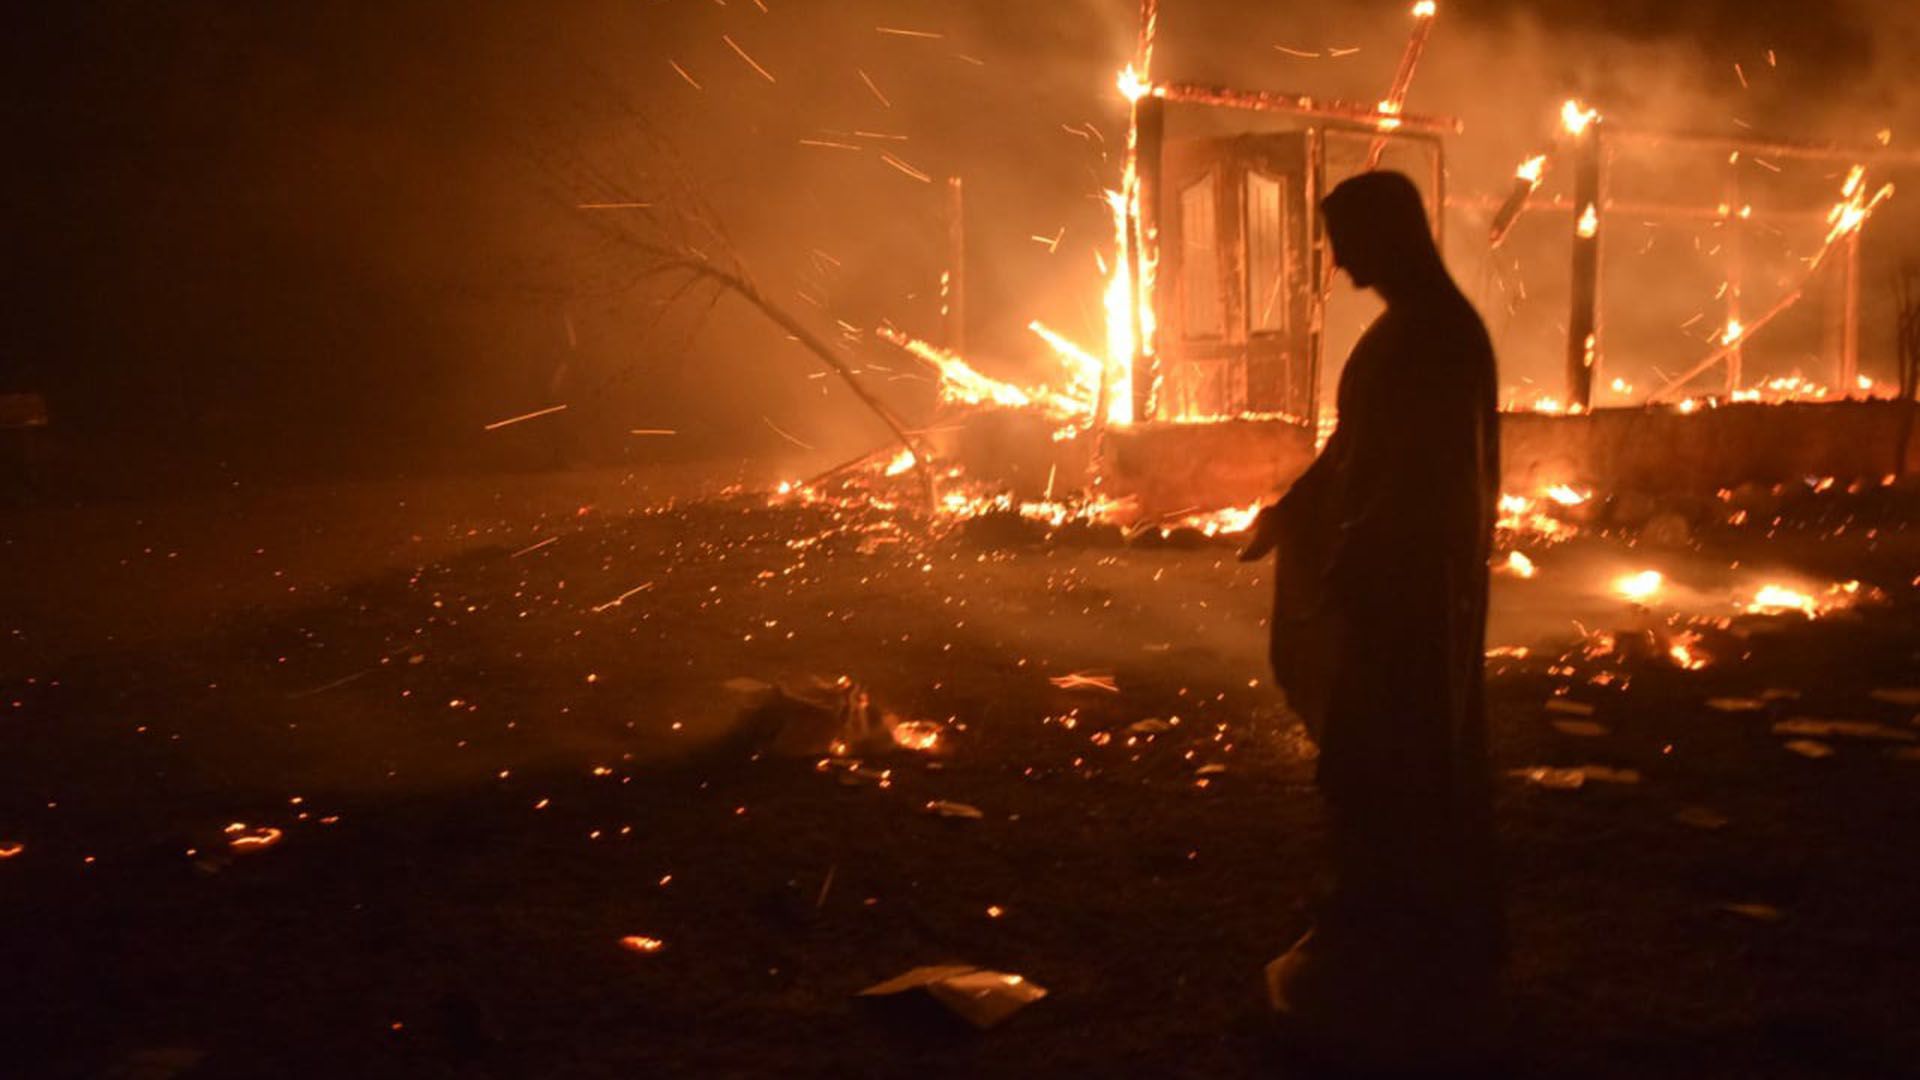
(1576, 117)
(1567, 496)
(1233, 519)
(960, 383)
(1854, 207)
(1133, 85)
(1532, 170)
(641, 943)
(1425, 9)
(1639, 587)
(1520, 566)
(1732, 333)
(1777, 599)
(1683, 654)
(1589, 225)
(901, 462)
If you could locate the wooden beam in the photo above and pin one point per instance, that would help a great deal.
(1305, 105)
(1771, 147)
(1583, 318)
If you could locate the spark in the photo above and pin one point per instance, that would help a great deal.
(497, 424)
(1085, 680)
(1300, 53)
(783, 434)
(905, 168)
(622, 598)
(612, 206)
(870, 86)
(691, 81)
(898, 32)
(751, 62)
(826, 143)
(652, 431)
(531, 548)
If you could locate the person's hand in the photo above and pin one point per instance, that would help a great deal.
(1264, 536)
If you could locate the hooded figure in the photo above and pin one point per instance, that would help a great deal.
(1378, 640)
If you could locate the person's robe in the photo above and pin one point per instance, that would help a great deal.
(1380, 618)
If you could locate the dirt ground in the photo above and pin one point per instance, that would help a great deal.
(488, 720)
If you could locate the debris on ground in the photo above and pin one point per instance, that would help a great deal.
(1809, 748)
(1700, 817)
(1766, 913)
(1573, 778)
(1849, 729)
(979, 996)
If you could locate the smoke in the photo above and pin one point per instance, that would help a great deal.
(334, 233)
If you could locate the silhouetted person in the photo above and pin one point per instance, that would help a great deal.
(1378, 639)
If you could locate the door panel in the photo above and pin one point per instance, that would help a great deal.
(1234, 282)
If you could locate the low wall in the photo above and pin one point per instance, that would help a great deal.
(1652, 451)
(1661, 450)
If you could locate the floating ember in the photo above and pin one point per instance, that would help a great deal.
(641, 943)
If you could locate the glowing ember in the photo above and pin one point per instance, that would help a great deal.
(1685, 652)
(641, 943)
(1639, 587)
(1567, 496)
(243, 839)
(916, 734)
(9, 850)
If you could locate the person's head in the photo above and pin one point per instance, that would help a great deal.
(1377, 226)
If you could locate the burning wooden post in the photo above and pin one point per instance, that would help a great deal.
(1396, 99)
(1583, 318)
(1149, 118)
(1736, 253)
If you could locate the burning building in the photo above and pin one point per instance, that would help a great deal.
(1224, 330)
